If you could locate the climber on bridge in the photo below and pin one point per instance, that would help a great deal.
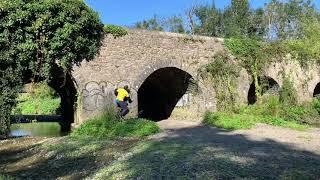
(122, 100)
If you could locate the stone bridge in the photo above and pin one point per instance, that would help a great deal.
(162, 71)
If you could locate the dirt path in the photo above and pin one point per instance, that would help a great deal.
(195, 132)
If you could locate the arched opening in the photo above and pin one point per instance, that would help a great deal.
(65, 91)
(65, 86)
(267, 84)
(37, 112)
(316, 92)
(161, 91)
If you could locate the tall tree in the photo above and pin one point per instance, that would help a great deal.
(174, 24)
(285, 18)
(39, 37)
(210, 21)
(236, 18)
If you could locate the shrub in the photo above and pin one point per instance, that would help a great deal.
(288, 94)
(270, 111)
(116, 31)
(108, 125)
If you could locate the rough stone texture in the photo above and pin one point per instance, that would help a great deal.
(132, 58)
(305, 79)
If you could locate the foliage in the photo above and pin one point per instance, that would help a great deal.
(277, 20)
(38, 37)
(270, 111)
(152, 24)
(116, 31)
(39, 99)
(228, 121)
(285, 19)
(237, 20)
(32, 105)
(251, 55)
(172, 24)
(307, 48)
(109, 125)
(288, 94)
(248, 51)
(175, 24)
(224, 74)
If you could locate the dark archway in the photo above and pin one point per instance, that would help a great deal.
(161, 91)
(267, 84)
(63, 83)
(316, 92)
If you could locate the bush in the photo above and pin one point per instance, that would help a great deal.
(116, 31)
(270, 111)
(108, 125)
(246, 121)
(288, 94)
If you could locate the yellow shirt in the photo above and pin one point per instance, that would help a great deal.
(122, 93)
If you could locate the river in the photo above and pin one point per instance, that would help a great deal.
(39, 129)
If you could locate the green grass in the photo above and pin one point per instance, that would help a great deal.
(5, 177)
(271, 112)
(40, 99)
(29, 105)
(108, 125)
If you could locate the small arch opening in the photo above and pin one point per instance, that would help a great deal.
(268, 85)
(56, 106)
(316, 92)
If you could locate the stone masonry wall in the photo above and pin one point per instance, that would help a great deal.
(129, 60)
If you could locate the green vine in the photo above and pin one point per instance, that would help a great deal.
(252, 55)
(223, 73)
(288, 94)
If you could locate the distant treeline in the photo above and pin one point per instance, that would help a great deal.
(277, 20)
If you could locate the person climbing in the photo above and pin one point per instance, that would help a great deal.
(122, 100)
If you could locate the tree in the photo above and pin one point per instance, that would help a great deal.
(39, 37)
(174, 24)
(236, 18)
(285, 20)
(152, 24)
(210, 21)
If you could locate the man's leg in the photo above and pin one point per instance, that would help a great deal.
(124, 108)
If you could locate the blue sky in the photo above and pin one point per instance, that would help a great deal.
(127, 12)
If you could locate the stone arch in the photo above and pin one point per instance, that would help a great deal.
(268, 85)
(160, 92)
(316, 91)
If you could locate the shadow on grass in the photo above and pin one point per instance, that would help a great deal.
(189, 153)
(69, 158)
(210, 153)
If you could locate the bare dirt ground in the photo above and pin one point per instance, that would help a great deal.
(195, 132)
(184, 150)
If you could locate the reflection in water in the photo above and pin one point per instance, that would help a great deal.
(36, 129)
